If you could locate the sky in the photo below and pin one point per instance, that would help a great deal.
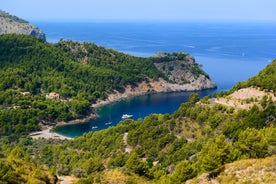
(142, 10)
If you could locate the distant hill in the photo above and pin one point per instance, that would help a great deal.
(13, 24)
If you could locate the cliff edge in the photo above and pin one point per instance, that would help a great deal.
(13, 24)
(181, 73)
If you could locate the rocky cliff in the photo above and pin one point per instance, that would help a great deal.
(13, 24)
(183, 72)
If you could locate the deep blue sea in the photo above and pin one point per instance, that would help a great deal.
(229, 53)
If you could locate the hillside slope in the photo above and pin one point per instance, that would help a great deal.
(265, 80)
(243, 171)
(200, 137)
(47, 83)
(17, 170)
(12, 24)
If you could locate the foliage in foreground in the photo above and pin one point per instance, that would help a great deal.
(242, 171)
(198, 138)
(17, 169)
(160, 149)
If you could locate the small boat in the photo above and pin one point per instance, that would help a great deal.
(94, 127)
(125, 116)
(108, 123)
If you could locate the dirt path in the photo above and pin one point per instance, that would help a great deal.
(128, 148)
(67, 179)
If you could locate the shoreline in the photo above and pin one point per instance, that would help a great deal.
(151, 87)
(48, 131)
(143, 88)
(48, 134)
(93, 115)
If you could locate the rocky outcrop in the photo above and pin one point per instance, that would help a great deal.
(53, 96)
(13, 24)
(153, 86)
(182, 71)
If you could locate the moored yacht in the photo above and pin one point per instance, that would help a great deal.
(125, 116)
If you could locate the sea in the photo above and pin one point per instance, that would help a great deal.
(228, 51)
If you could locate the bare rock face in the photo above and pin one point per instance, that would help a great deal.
(12, 24)
(182, 70)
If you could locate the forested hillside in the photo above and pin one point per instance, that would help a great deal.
(47, 83)
(200, 137)
(225, 138)
(16, 169)
(265, 80)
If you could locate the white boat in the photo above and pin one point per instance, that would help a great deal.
(108, 123)
(125, 116)
(94, 127)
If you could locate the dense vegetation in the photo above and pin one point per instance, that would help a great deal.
(200, 137)
(14, 169)
(197, 138)
(265, 80)
(80, 73)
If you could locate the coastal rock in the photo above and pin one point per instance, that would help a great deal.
(154, 86)
(183, 72)
(11, 24)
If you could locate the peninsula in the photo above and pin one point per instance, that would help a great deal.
(49, 83)
(44, 84)
(227, 138)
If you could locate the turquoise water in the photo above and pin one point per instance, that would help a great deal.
(229, 53)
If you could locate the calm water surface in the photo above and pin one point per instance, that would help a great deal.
(139, 107)
(229, 53)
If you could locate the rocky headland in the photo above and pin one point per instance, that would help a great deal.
(181, 71)
(11, 24)
(163, 72)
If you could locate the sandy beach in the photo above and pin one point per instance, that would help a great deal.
(143, 88)
(47, 134)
